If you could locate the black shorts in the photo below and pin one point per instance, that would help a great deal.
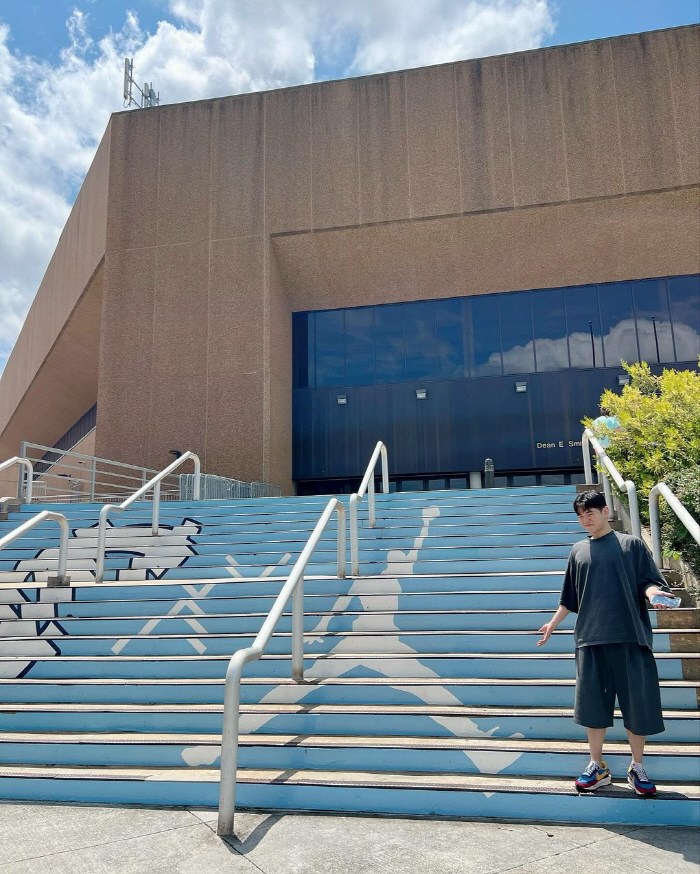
(625, 670)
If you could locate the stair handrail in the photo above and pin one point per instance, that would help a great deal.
(154, 484)
(293, 588)
(60, 579)
(26, 463)
(367, 484)
(661, 489)
(609, 470)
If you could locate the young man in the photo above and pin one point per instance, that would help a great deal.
(608, 580)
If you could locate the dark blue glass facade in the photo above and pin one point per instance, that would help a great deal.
(565, 344)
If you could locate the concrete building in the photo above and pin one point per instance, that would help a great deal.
(224, 279)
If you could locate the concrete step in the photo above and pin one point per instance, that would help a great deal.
(449, 755)
(468, 796)
(151, 641)
(682, 726)
(671, 666)
(488, 691)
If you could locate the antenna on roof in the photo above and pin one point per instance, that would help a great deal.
(148, 95)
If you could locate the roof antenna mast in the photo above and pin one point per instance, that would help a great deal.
(148, 95)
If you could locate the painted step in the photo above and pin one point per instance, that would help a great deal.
(183, 621)
(469, 796)
(271, 585)
(391, 720)
(675, 694)
(507, 666)
(148, 642)
(449, 755)
(370, 598)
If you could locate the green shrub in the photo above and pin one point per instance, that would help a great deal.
(675, 537)
(659, 440)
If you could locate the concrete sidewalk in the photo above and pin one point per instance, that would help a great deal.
(77, 839)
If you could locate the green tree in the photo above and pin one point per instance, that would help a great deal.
(659, 440)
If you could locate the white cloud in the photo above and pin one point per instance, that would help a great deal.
(52, 116)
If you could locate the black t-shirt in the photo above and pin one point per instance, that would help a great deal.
(605, 583)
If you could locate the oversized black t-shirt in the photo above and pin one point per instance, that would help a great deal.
(605, 582)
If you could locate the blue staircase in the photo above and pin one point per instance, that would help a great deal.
(425, 692)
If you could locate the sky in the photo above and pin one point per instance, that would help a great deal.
(61, 72)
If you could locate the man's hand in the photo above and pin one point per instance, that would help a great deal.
(655, 590)
(546, 632)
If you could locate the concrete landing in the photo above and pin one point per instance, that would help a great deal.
(64, 839)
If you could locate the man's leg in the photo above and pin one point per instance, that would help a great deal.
(596, 737)
(637, 742)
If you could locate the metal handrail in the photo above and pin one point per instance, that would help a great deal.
(293, 588)
(26, 463)
(680, 511)
(151, 484)
(625, 485)
(366, 484)
(60, 579)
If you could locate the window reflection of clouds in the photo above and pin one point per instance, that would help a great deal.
(684, 297)
(390, 338)
(653, 321)
(488, 335)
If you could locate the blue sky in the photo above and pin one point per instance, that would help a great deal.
(61, 68)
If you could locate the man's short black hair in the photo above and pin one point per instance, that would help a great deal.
(591, 500)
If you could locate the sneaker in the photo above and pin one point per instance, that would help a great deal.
(594, 776)
(637, 779)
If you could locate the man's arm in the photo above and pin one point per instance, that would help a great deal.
(548, 627)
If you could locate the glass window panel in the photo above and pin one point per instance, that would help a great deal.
(516, 332)
(437, 484)
(525, 479)
(617, 323)
(303, 327)
(684, 295)
(552, 479)
(500, 481)
(653, 321)
(359, 346)
(583, 323)
(458, 482)
(485, 337)
(578, 478)
(411, 485)
(330, 348)
(421, 347)
(449, 326)
(390, 352)
(551, 347)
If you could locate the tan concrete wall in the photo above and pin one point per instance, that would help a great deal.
(553, 167)
(50, 379)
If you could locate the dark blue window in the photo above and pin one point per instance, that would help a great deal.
(617, 323)
(359, 346)
(449, 327)
(684, 297)
(583, 324)
(421, 348)
(390, 337)
(303, 328)
(653, 321)
(551, 348)
(516, 332)
(330, 348)
(485, 337)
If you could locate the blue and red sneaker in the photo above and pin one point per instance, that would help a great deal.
(637, 779)
(593, 777)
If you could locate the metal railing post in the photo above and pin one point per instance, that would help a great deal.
(608, 494)
(385, 470)
(61, 579)
(155, 518)
(25, 478)
(633, 500)
(293, 589)
(354, 537)
(93, 477)
(298, 631)
(586, 447)
(654, 523)
(372, 508)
